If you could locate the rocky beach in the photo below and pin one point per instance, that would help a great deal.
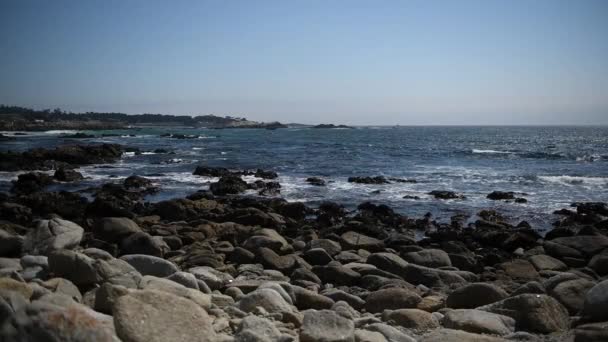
(237, 262)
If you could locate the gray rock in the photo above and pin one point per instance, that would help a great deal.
(474, 295)
(76, 267)
(596, 302)
(451, 335)
(166, 285)
(106, 295)
(368, 336)
(354, 240)
(431, 277)
(414, 319)
(339, 295)
(144, 243)
(35, 260)
(389, 262)
(599, 263)
(429, 258)
(268, 299)
(150, 265)
(118, 272)
(585, 244)
(52, 235)
(390, 333)
(114, 229)
(330, 246)
(256, 329)
(571, 294)
(345, 310)
(326, 326)
(544, 262)
(44, 321)
(155, 316)
(477, 321)
(592, 332)
(212, 277)
(532, 312)
(306, 299)
(391, 299)
(184, 278)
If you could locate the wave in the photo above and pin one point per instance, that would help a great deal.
(61, 131)
(477, 151)
(575, 180)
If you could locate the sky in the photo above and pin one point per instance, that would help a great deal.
(352, 62)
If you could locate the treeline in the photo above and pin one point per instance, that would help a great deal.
(59, 115)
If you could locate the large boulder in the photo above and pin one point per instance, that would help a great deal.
(228, 185)
(52, 235)
(592, 332)
(149, 316)
(391, 299)
(414, 319)
(388, 262)
(585, 244)
(429, 258)
(473, 295)
(477, 321)
(326, 326)
(354, 240)
(114, 229)
(150, 265)
(257, 329)
(268, 299)
(532, 312)
(571, 293)
(67, 175)
(544, 262)
(596, 302)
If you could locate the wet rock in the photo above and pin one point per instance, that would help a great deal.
(67, 175)
(477, 321)
(315, 181)
(326, 326)
(368, 180)
(443, 194)
(532, 312)
(27, 183)
(501, 195)
(149, 316)
(391, 299)
(474, 295)
(228, 185)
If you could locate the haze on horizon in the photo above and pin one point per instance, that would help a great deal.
(352, 62)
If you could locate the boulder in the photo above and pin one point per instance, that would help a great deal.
(149, 316)
(67, 175)
(306, 299)
(391, 299)
(520, 269)
(268, 299)
(326, 326)
(388, 262)
(52, 235)
(336, 274)
(544, 262)
(76, 267)
(144, 243)
(451, 335)
(473, 295)
(256, 329)
(114, 229)
(414, 319)
(532, 312)
(571, 293)
(354, 240)
(150, 265)
(228, 185)
(477, 321)
(443, 194)
(585, 244)
(390, 333)
(331, 247)
(599, 263)
(596, 302)
(591, 332)
(428, 258)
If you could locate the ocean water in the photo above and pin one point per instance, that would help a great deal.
(551, 166)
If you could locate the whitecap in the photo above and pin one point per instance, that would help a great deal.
(490, 151)
(575, 180)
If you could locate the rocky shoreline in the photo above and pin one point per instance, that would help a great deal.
(220, 266)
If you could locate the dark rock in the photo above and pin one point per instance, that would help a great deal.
(368, 180)
(571, 293)
(391, 299)
(150, 265)
(31, 182)
(317, 256)
(429, 258)
(67, 175)
(444, 194)
(501, 195)
(143, 243)
(115, 229)
(315, 181)
(228, 185)
(596, 302)
(211, 171)
(336, 274)
(474, 295)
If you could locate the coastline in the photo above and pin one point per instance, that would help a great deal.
(230, 254)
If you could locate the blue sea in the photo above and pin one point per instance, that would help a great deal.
(550, 166)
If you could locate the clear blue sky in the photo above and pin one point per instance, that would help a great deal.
(355, 62)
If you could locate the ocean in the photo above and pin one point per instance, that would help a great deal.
(549, 166)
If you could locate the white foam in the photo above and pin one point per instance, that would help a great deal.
(490, 151)
(61, 131)
(575, 180)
